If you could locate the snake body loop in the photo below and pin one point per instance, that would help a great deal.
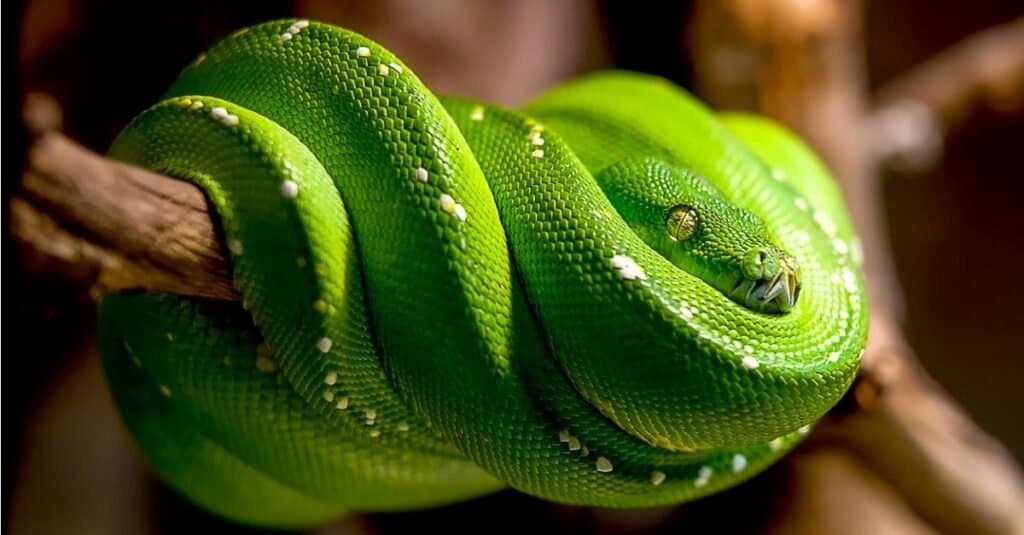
(440, 299)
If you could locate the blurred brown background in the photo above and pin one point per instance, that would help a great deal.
(955, 227)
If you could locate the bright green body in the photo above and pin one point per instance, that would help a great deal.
(440, 300)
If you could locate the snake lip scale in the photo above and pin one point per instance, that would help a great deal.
(610, 297)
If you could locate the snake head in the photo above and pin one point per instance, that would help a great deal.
(770, 282)
(689, 222)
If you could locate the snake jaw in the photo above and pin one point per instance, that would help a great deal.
(777, 294)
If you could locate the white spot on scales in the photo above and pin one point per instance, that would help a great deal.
(703, 475)
(289, 189)
(220, 114)
(628, 269)
(739, 462)
(293, 30)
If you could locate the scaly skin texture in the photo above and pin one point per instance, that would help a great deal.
(439, 298)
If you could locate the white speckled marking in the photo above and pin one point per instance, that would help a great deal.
(739, 462)
(324, 344)
(833, 356)
(776, 443)
(196, 105)
(289, 189)
(221, 115)
(858, 251)
(362, 52)
(849, 280)
(422, 175)
(574, 444)
(805, 429)
(563, 435)
(685, 311)
(628, 269)
(342, 403)
(382, 69)
(750, 363)
(165, 391)
(447, 203)
(328, 395)
(825, 223)
(395, 67)
(331, 378)
(402, 426)
(840, 246)
(539, 153)
(657, 477)
(320, 306)
(293, 30)
(703, 475)
(477, 114)
(603, 464)
(235, 247)
(460, 212)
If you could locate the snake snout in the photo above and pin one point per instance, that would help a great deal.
(771, 282)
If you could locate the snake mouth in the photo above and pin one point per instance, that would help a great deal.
(777, 294)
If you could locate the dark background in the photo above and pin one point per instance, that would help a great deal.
(956, 229)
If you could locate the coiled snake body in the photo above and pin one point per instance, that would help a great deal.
(613, 298)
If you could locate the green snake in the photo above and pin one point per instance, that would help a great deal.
(612, 297)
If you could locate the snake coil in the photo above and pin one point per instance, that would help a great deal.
(440, 297)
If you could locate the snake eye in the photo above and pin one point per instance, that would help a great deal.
(682, 222)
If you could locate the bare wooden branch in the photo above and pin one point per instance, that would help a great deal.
(114, 226)
(984, 70)
(915, 111)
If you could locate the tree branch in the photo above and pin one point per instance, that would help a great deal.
(113, 226)
(915, 110)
